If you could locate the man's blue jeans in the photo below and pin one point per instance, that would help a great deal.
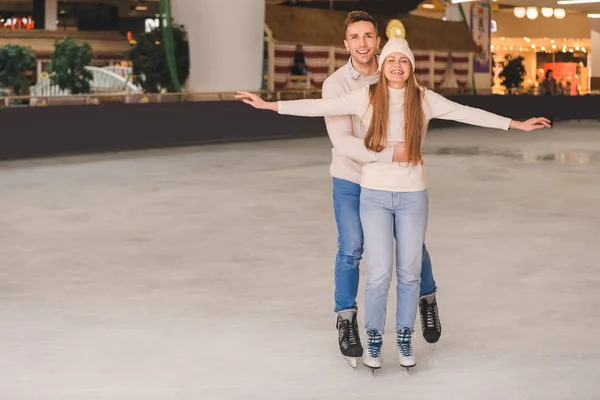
(346, 205)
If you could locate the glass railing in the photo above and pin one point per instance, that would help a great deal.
(122, 98)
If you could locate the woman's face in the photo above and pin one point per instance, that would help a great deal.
(397, 69)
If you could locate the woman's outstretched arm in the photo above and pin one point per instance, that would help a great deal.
(440, 107)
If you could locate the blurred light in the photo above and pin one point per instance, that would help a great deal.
(519, 12)
(559, 13)
(547, 12)
(532, 12)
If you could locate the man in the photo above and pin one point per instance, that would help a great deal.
(348, 156)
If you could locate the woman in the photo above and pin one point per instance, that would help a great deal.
(393, 200)
(549, 87)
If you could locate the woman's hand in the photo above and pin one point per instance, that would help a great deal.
(256, 102)
(531, 124)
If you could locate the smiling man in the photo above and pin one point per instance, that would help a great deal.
(349, 154)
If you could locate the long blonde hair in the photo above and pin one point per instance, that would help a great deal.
(414, 117)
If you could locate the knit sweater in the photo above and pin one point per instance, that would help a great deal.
(382, 175)
(347, 132)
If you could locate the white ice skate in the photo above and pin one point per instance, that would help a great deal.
(372, 357)
(404, 342)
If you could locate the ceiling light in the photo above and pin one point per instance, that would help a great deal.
(559, 13)
(547, 12)
(593, 15)
(519, 12)
(428, 5)
(532, 12)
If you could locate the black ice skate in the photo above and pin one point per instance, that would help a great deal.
(348, 337)
(430, 319)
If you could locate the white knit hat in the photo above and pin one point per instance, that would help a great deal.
(396, 45)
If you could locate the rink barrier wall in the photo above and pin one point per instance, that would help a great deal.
(32, 132)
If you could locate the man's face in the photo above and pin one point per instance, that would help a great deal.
(362, 42)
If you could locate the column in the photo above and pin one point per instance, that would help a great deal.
(594, 55)
(478, 16)
(45, 13)
(226, 39)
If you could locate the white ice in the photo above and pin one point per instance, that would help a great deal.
(207, 273)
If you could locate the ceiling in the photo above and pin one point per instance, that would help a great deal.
(589, 7)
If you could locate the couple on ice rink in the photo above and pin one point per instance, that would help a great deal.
(377, 116)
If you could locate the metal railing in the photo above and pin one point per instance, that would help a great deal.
(137, 98)
(105, 79)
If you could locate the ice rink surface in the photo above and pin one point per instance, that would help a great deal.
(207, 273)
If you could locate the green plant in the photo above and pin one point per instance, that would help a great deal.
(68, 63)
(15, 62)
(513, 73)
(149, 59)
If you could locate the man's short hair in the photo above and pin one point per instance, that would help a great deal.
(357, 16)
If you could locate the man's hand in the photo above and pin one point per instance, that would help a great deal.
(400, 153)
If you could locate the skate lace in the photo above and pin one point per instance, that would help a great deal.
(375, 342)
(353, 332)
(430, 317)
(403, 340)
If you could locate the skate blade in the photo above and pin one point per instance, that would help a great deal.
(353, 362)
(373, 369)
(408, 368)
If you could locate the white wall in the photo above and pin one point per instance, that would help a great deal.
(51, 15)
(226, 43)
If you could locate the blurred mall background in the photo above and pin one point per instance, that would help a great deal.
(140, 52)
